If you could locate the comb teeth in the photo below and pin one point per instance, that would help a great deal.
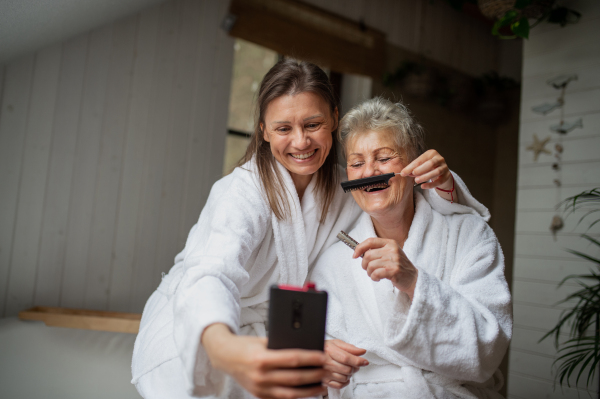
(346, 239)
(367, 182)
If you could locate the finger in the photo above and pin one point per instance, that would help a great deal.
(371, 255)
(369, 243)
(432, 163)
(422, 169)
(334, 366)
(376, 265)
(287, 392)
(409, 169)
(439, 181)
(337, 384)
(293, 358)
(434, 174)
(337, 377)
(349, 347)
(381, 273)
(294, 377)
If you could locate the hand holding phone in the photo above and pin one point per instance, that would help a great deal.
(297, 317)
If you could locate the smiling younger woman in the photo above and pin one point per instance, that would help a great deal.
(202, 331)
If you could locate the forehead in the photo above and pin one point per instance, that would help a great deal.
(364, 143)
(296, 106)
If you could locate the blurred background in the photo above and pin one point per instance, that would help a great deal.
(117, 116)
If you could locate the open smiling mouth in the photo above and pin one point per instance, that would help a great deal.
(304, 156)
(376, 187)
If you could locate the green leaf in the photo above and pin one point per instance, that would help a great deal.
(521, 28)
(584, 256)
(508, 19)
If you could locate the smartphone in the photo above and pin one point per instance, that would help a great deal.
(297, 317)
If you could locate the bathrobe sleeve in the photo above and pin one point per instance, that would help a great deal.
(466, 204)
(459, 329)
(232, 225)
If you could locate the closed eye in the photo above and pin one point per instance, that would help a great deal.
(283, 129)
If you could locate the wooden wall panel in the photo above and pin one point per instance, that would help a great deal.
(60, 172)
(541, 261)
(85, 170)
(180, 110)
(38, 136)
(109, 144)
(129, 212)
(13, 125)
(215, 60)
(525, 387)
(155, 162)
(106, 194)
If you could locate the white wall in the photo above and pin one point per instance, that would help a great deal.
(540, 263)
(109, 144)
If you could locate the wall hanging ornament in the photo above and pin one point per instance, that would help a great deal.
(562, 128)
(556, 224)
(565, 127)
(546, 108)
(538, 147)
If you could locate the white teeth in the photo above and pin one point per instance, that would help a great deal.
(380, 185)
(304, 156)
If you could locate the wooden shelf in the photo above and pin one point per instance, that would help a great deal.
(84, 319)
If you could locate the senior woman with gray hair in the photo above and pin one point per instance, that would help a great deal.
(428, 299)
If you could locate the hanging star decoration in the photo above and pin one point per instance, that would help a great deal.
(538, 147)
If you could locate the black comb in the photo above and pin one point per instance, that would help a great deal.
(360, 184)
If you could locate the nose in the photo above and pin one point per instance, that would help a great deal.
(371, 169)
(301, 139)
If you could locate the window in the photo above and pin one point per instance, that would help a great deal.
(250, 64)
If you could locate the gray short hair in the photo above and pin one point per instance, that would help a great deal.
(379, 114)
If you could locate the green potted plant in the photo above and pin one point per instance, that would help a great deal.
(514, 18)
(581, 352)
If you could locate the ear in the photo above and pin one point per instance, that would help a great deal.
(265, 134)
(336, 115)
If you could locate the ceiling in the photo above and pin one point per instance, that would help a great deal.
(27, 25)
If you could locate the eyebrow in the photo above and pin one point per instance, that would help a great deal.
(303, 120)
(377, 150)
(312, 117)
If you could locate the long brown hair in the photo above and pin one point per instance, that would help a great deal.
(290, 77)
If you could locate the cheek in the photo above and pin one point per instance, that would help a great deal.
(352, 174)
(325, 139)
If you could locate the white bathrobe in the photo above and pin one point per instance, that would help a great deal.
(450, 340)
(235, 252)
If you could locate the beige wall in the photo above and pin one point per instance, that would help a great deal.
(109, 144)
(540, 262)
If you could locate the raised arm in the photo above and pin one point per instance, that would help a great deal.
(446, 192)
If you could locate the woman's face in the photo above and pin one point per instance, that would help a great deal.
(299, 129)
(375, 153)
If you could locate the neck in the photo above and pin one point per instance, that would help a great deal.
(301, 182)
(395, 224)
